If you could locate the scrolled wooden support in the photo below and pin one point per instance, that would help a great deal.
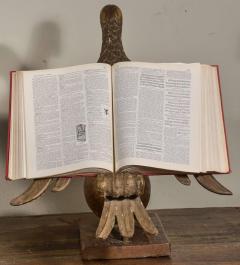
(35, 190)
(122, 202)
(107, 220)
(211, 184)
(207, 181)
(183, 179)
(61, 184)
(38, 187)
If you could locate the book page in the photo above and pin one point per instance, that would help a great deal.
(157, 115)
(68, 119)
(223, 159)
(216, 155)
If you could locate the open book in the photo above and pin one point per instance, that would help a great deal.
(154, 118)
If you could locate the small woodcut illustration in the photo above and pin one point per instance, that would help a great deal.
(81, 133)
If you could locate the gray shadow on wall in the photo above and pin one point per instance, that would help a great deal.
(45, 43)
(9, 61)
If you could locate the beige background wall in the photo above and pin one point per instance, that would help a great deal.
(53, 33)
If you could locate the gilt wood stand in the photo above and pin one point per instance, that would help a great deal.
(115, 246)
(135, 192)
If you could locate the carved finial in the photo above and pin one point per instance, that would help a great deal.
(112, 48)
(110, 13)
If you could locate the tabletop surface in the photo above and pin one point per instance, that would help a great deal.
(198, 237)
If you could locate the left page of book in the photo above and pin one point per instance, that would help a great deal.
(68, 120)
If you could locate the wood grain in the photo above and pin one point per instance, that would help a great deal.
(141, 244)
(208, 236)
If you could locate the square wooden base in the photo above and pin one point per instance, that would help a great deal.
(141, 245)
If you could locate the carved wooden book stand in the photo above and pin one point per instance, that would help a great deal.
(124, 195)
(121, 198)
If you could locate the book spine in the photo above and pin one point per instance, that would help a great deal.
(9, 128)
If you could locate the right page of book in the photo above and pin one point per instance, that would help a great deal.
(157, 115)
